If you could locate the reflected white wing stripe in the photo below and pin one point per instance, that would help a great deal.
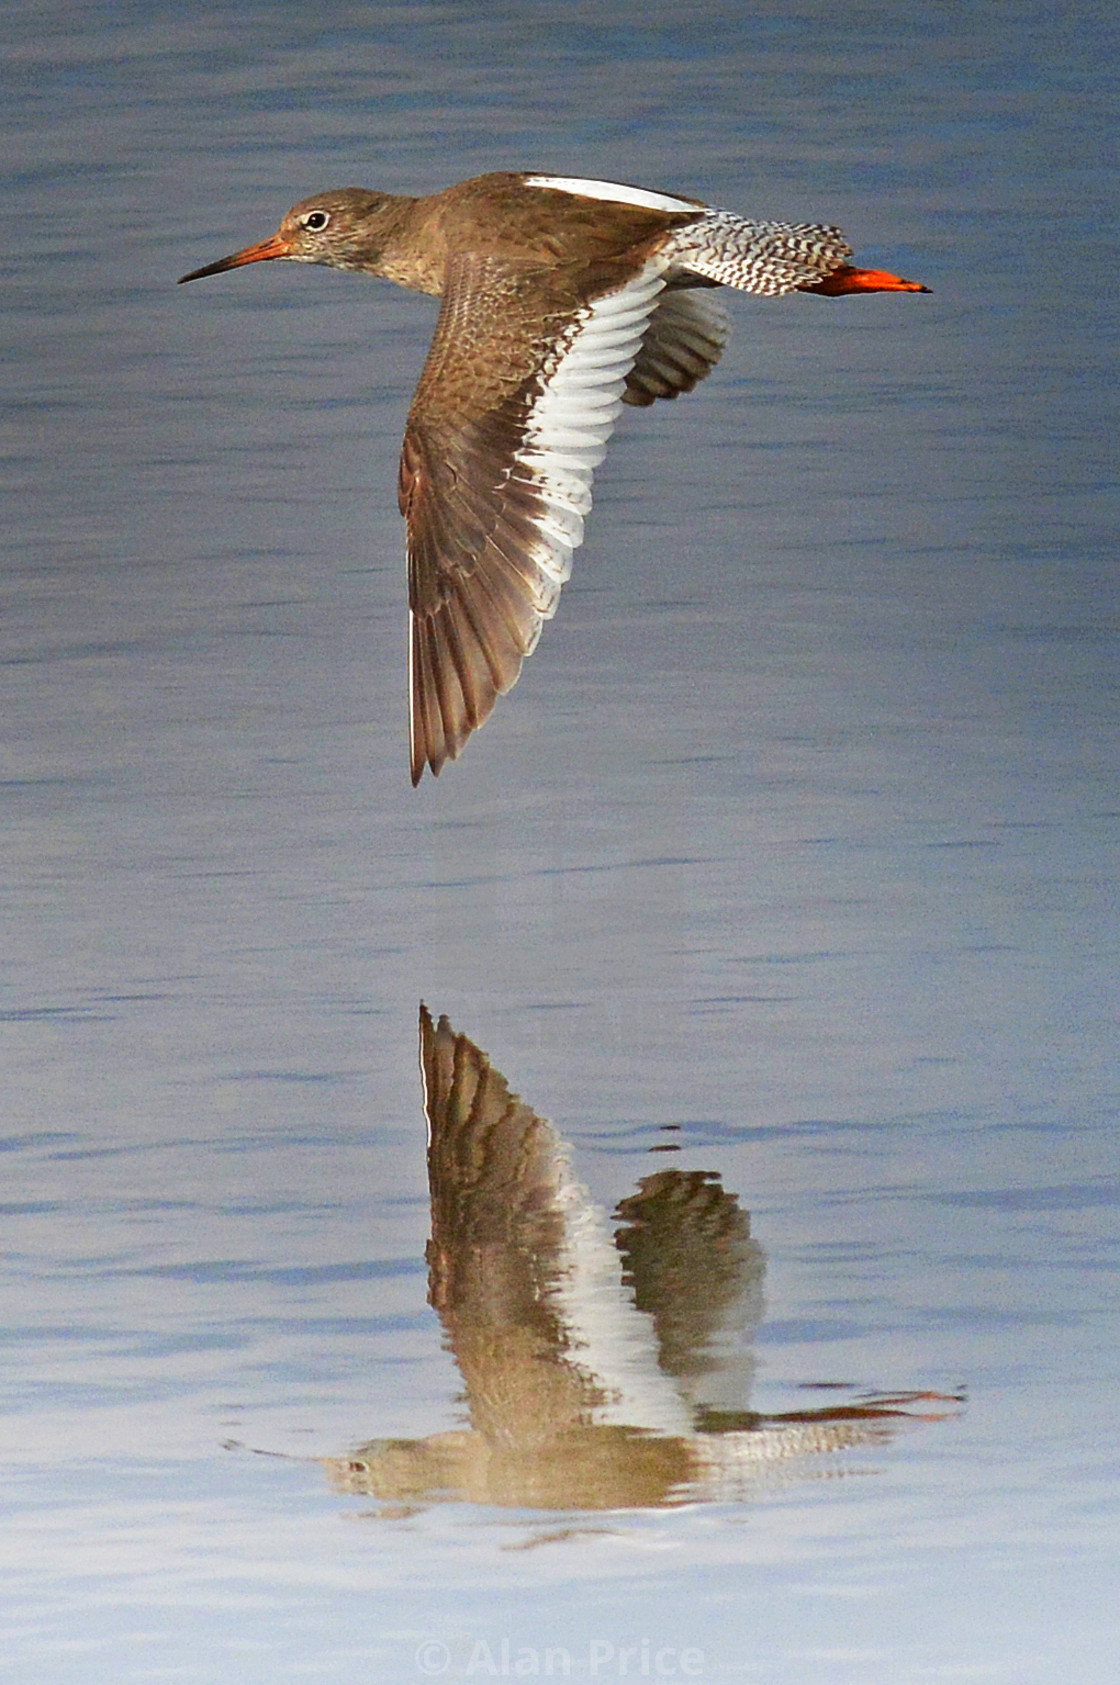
(606, 1336)
(573, 416)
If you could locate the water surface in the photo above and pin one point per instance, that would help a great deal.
(794, 851)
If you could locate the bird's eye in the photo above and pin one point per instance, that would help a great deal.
(315, 221)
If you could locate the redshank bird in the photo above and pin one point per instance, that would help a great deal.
(562, 299)
(605, 1363)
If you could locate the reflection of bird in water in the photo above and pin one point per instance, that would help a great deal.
(582, 1355)
(691, 1265)
(562, 299)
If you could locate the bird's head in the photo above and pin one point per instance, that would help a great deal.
(339, 228)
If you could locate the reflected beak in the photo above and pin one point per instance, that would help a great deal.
(274, 246)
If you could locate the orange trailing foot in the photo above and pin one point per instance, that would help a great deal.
(849, 280)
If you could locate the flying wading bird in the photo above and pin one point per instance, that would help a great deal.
(562, 299)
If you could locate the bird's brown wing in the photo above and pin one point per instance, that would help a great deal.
(518, 397)
(681, 345)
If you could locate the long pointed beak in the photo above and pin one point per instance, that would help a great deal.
(274, 246)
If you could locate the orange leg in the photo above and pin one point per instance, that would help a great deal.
(849, 280)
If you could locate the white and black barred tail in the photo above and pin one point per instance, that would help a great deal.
(758, 257)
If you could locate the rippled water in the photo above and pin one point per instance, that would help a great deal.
(789, 868)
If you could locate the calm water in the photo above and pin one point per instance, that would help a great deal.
(794, 852)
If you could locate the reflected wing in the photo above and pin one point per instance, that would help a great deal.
(689, 1257)
(522, 1269)
(519, 395)
(496, 1171)
(498, 1179)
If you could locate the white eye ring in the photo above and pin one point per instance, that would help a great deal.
(316, 221)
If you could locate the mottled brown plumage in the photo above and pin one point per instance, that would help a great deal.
(561, 299)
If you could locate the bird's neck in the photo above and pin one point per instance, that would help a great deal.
(403, 242)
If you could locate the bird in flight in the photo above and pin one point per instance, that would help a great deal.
(562, 299)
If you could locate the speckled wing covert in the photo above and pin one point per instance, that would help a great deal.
(758, 257)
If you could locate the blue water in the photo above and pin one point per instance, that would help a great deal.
(795, 846)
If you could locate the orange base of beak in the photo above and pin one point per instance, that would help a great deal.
(849, 280)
